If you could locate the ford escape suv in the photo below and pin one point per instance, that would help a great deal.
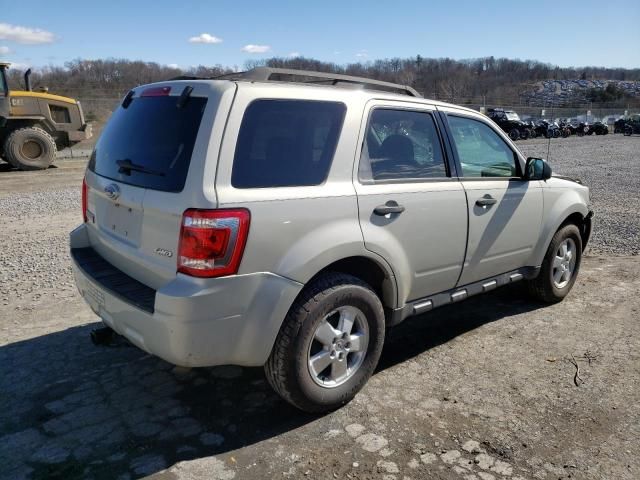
(285, 219)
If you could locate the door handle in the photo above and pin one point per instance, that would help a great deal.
(390, 207)
(486, 200)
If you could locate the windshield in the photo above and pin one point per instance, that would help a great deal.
(512, 116)
(149, 143)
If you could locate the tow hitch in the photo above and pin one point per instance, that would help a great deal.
(102, 336)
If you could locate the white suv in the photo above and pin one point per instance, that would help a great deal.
(287, 219)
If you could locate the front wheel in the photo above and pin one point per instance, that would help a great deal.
(560, 266)
(514, 134)
(328, 345)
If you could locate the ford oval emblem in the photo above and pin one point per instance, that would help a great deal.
(112, 190)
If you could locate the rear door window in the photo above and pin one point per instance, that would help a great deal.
(152, 133)
(285, 143)
(401, 145)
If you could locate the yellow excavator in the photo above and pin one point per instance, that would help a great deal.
(34, 125)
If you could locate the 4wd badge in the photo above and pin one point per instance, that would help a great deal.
(164, 252)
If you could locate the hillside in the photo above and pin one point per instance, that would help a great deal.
(490, 81)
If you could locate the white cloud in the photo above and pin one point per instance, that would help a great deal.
(362, 54)
(27, 35)
(205, 38)
(173, 65)
(256, 48)
(294, 54)
(4, 50)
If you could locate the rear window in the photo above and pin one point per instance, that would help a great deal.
(286, 143)
(152, 136)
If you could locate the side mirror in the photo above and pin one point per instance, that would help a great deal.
(537, 169)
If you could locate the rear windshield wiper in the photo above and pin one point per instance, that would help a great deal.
(126, 167)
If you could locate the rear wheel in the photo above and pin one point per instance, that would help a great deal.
(30, 148)
(560, 266)
(514, 134)
(329, 344)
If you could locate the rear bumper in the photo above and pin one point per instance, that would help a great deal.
(192, 322)
(79, 135)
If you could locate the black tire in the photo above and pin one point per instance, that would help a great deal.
(525, 134)
(514, 134)
(30, 148)
(628, 132)
(287, 367)
(543, 287)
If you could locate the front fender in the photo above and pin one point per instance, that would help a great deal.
(559, 204)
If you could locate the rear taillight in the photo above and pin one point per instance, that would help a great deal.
(84, 199)
(212, 241)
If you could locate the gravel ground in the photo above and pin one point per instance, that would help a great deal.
(610, 166)
(483, 390)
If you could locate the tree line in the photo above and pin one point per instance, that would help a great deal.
(481, 80)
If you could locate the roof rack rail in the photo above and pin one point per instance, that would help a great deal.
(266, 74)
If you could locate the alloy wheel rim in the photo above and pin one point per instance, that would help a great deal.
(338, 347)
(564, 263)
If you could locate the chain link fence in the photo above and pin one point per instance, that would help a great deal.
(98, 109)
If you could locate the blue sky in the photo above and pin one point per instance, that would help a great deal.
(572, 33)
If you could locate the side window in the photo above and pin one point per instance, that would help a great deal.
(59, 114)
(401, 144)
(481, 151)
(285, 143)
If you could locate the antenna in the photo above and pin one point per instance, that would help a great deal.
(549, 143)
(553, 102)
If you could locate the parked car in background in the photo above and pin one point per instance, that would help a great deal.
(288, 224)
(600, 128)
(565, 128)
(619, 125)
(510, 122)
(531, 127)
(632, 125)
(547, 129)
(583, 128)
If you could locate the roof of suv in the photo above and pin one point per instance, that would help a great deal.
(328, 81)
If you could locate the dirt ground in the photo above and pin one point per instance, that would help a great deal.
(497, 387)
